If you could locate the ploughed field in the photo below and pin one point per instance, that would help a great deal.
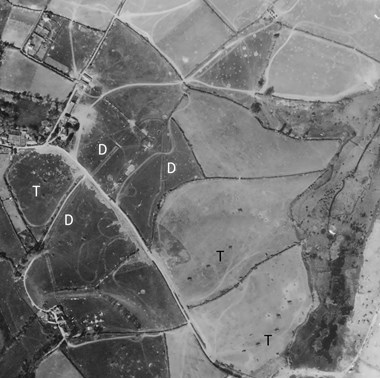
(215, 213)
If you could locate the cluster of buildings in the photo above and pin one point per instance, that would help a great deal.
(42, 41)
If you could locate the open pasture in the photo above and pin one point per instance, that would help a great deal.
(274, 299)
(350, 22)
(179, 29)
(19, 24)
(136, 357)
(248, 220)
(241, 12)
(94, 13)
(19, 74)
(242, 65)
(186, 358)
(181, 35)
(57, 365)
(310, 68)
(228, 141)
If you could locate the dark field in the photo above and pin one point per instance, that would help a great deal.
(141, 289)
(50, 172)
(130, 357)
(9, 242)
(5, 9)
(101, 309)
(22, 337)
(13, 307)
(84, 41)
(128, 145)
(82, 253)
(143, 103)
(125, 57)
(140, 196)
(187, 167)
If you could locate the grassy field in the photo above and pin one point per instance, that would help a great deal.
(20, 74)
(248, 220)
(57, 365)
(242, 65)
(310, 68)
(348, 22)
(241, 12)
(229, 142)
(186, 358)
(275, 299)
(94, 13)
(181, 35)
(19, 25)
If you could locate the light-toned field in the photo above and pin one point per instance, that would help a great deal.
(241, 12)
(310, 68)
(242, 65)
(94, 13)
(366, 314)
(180, 32)
(19, 25)
(57, 365)
(274, 300)
(186, 359)
(19, 74)
(349, 21)
(247, 219)
(229, 142)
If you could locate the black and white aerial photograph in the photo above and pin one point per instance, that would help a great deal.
(190, 189)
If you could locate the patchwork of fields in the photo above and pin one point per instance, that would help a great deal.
(189, 188)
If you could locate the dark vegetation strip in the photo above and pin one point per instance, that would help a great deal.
(18, 208)
(243, 278)
(24, 7)
(212, 93)
(13, 227)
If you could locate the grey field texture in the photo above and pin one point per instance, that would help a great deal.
(189, 188)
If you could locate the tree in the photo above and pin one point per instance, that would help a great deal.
(269, 91)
